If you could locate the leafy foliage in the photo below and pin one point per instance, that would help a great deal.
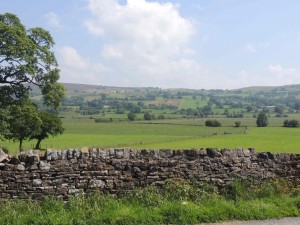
(291, 123)
(131, 116)
(51, 124)
(237, 123)
(212, 123)
(26, 59)
(262, 120)
(149, 116)
(24, 122)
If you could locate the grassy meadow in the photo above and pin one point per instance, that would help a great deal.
(171, 134)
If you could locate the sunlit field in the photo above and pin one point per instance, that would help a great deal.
(173, 134)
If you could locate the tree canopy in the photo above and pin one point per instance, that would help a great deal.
(26, 59)
(50, 125)
(262, 120)
(23, 121)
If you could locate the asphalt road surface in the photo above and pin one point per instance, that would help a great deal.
(284, 221)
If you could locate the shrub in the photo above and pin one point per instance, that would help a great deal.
(149, 116)
(237, 123)
(131, 116)
(286, 123)
(291, 123)
(294, 123)
(212, 123)
(161, 117)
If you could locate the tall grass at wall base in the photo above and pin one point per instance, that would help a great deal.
(176, 202)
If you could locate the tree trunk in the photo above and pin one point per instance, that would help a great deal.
(20, 145)
(38, 144)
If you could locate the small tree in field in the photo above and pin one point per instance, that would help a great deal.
(24, 122)
(149, 116)
(51, 125)
(262, 120)
(294, 123)
(237, 123)
(291, 123)
(131, 116)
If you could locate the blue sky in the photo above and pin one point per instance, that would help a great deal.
(196, 44)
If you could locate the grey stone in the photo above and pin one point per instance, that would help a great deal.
(166, 153)
(44, 165)
(102, 153)
(247, 152)
(111, 152)
(51, 155)
(20, 167)
(127, 153)
(211, 152)
(70, 154)
(119, 153)
(97, 183)
(77, 153)
(4, 157)
(34, 167)
(37, 182)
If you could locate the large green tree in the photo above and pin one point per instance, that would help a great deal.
(23, 122)
(51, 124)
(26, 60)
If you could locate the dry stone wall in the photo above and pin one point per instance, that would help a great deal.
(67, 172)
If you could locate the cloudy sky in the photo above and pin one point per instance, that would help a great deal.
(170, 43)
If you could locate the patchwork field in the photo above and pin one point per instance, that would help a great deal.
(174, 134)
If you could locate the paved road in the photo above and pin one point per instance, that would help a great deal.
(284, 221)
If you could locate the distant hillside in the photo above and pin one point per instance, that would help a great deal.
(293, 87)
(89, 87)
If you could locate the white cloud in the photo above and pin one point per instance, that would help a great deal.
(275, 75)
(149, 41)
(77, 69)
(148, 44)
(147, 29)
(284, 75)
(53, 19)
(278, 69)
(250, 48)
(111, 52)
(254, 47)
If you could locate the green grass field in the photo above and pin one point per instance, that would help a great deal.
(189, 102)
(274, 139)
(174, 134)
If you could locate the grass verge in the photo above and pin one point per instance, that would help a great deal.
(177, 202)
